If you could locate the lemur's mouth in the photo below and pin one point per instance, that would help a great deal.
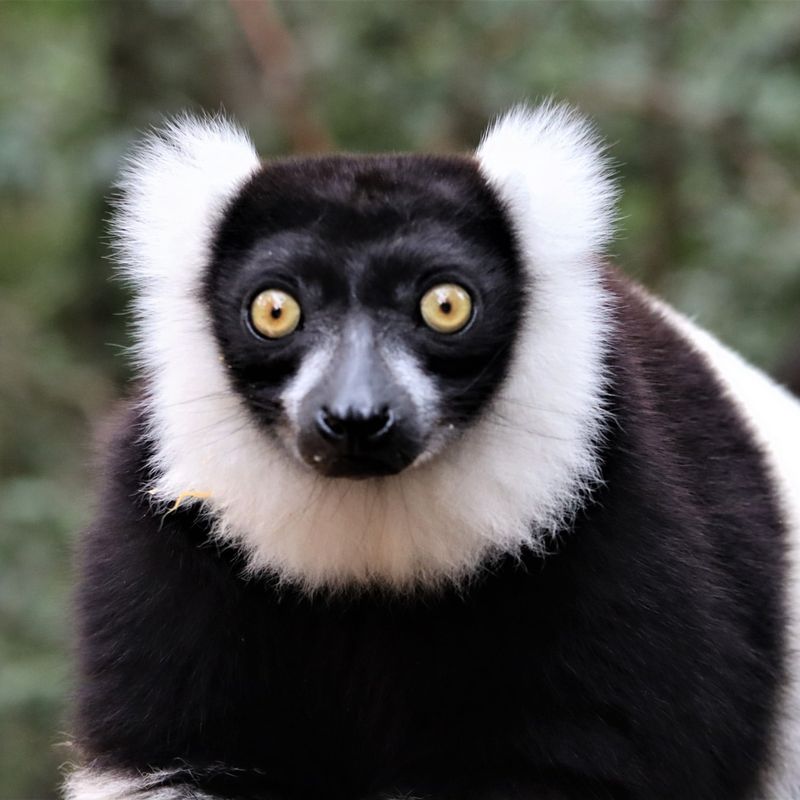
(351, 455)
(360, 467)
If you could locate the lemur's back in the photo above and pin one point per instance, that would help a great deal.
(773, 417)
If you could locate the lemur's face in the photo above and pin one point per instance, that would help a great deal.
(366, 309)
(434, 325)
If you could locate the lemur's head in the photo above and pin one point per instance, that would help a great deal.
(366, 308)
(380, 369)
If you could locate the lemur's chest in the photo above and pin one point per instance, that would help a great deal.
(384, 693)
(406, 670)
(571, 664)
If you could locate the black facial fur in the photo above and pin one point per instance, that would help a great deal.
(358, 242)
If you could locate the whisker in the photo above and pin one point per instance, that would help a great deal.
(200, 398)
(459, 403)
(530, 431)
(226, 435)
(497, 354)
(317, 490)
(534, 406)
(211, 425)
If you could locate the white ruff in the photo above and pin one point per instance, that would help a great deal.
(510, 481)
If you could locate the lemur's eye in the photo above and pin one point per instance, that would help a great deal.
(446, 308)
(274, 313)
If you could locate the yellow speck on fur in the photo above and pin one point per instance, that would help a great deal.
(183, 495)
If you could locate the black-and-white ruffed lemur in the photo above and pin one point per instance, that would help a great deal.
(421, 498)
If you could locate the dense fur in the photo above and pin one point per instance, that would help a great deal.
(507, 481)
(640, 660)
(426, 634)
(773, 419)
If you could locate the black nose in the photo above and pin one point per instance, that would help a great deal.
(353, 427)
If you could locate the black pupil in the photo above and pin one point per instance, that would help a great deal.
(445, 307)
(276, 312)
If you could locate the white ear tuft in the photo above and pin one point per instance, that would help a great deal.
(175, 186)
(548, 165)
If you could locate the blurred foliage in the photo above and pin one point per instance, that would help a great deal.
(700, 101)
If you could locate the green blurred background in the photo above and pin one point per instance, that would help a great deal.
(701, 101)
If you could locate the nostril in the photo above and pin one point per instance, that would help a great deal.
(354, 426)
(329, 425)
(379, 424)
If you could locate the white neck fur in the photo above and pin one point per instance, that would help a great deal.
(510, 482)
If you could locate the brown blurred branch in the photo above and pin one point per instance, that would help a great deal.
(276, 52)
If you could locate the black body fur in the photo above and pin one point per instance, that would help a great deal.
(640, 660)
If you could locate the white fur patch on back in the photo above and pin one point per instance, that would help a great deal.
(509, 481)
(773, 417)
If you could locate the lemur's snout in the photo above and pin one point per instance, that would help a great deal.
(357, 441)
(358, 421)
